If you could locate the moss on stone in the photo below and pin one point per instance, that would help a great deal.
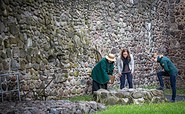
(76, 73)
(20, 44)
(13, 28)
(58, 31)
(22, 65)
(34, 77)
(6, 43)
(71, 73)
(13, 40)
(30, 50)
(75, 65)
(38, 58)
(45, 61)
(5, 65)
(66, 75)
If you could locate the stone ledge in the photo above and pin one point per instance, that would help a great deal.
(129, 96)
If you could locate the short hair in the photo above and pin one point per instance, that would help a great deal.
(154, 54)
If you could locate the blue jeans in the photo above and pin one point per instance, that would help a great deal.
(172, 81)
(129, 79)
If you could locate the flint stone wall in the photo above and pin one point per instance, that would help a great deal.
(57, 39)
(129, 96)
(51, 107)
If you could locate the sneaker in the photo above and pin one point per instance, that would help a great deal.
(160, 88)
(172, 101)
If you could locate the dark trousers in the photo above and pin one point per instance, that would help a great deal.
(96, 86)
(172, 81)
(129, 79)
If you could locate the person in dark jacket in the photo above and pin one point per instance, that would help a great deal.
(169, 70)
(101, 72)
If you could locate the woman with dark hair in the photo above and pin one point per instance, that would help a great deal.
(125, 68)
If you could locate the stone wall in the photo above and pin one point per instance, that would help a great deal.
(53, 43)
(129, 96)
(51, 107)
(176, 36)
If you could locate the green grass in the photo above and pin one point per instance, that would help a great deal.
(179, 91)
(79, 98)
(90, 97)
(159, 108)
(162, 108)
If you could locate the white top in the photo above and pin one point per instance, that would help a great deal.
(120, 64)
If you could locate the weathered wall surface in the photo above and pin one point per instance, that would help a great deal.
(129, 96)
(55, 39)
(176, 36)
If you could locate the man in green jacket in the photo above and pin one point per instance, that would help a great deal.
(102, 70)
(169, 70)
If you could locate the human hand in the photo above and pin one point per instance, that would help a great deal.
(111, 81)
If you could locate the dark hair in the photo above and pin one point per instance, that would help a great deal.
(125, 50)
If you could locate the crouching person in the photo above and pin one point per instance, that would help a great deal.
(101, 72)
(169, 69)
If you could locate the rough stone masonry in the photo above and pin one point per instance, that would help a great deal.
(129, 96)
(53, 43)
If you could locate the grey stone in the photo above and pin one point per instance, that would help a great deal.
(2, 27)
(14, 29)
(3, 55)
(35, 66)
(22, 53)
(30, 32)
(20, 44)
(23, 65)
(54, 111)
(5, 65)
(1, 67)
(14, 65)
(2, 5)
(27, 112)
(8, 53)
(1, 44)
(6, 43)
(16, 52)
(180, 27)
(137, 95)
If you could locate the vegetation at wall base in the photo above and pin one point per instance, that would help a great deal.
(79, 98)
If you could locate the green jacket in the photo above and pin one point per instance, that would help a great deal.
(167, 64)
(101, 71)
